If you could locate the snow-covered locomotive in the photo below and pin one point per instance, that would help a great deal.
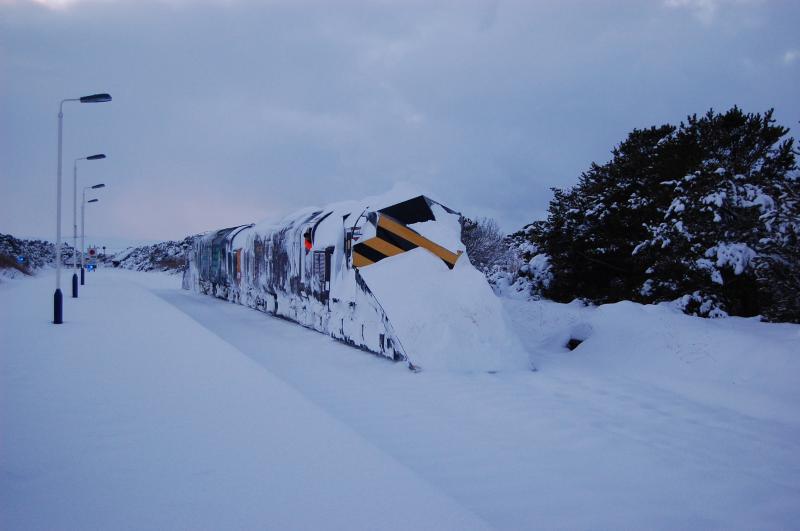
(385, 275)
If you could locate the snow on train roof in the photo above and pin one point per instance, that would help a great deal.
(400, 193)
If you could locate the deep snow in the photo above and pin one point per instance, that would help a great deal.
(132, 416)
(184, 411)
(446, 319)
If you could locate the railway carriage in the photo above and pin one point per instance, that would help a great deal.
(382, 275)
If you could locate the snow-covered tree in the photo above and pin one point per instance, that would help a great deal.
(706, 244)
(778, 263)
(704, 213)
(531, 272)
(593, 228)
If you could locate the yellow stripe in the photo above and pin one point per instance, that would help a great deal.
(408, 234)
(382, 246)
(361, 261)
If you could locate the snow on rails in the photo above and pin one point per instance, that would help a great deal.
(388, 275)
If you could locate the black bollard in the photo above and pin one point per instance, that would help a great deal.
(58, 308)
(75, 285)
(82, 268)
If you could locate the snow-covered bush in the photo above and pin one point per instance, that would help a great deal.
(164, 256)
(485, 245)
(531, 271)
(35, 253)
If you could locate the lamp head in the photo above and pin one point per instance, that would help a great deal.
(95, 187)
(96, 98)
(92, 200)
(96, 157)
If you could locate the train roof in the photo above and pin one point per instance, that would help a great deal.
(403, 203)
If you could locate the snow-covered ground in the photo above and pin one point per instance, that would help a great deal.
(152, 407)
(133, 416)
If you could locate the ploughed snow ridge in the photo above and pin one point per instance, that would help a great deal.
(446, 319)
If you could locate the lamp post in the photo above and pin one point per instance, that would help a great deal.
(75, 220)
(58, 300)
(83, 221)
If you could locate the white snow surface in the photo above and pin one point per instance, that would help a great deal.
(132, 416)
(446, 230)
(737, 256)
(446, 319)
(157, 408)
(449, 319)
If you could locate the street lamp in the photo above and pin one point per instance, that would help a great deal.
(83, 221)
(94, 98)
(75, 220)
(58, 301)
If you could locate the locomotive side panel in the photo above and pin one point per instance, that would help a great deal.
(290, 271)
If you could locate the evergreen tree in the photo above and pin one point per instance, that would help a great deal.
(706, 243)
(704, 213)
(592, 228)
(778, 263)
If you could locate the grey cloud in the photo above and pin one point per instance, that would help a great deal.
(228, 111)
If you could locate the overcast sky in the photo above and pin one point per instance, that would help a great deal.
(229, 111)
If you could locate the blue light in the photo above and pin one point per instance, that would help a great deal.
(20, 259)
(90, 267)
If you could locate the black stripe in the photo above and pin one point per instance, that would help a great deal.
(413, 210)
(394, 239)
(368, 252)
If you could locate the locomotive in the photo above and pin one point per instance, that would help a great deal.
(387, 276)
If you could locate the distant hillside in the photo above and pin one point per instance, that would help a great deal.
(164, 256)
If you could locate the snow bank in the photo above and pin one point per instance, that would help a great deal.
(185, 412)
(446, 319)
(736, 363)
(618, 438)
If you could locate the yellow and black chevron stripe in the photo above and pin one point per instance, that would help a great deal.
(393, 238)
